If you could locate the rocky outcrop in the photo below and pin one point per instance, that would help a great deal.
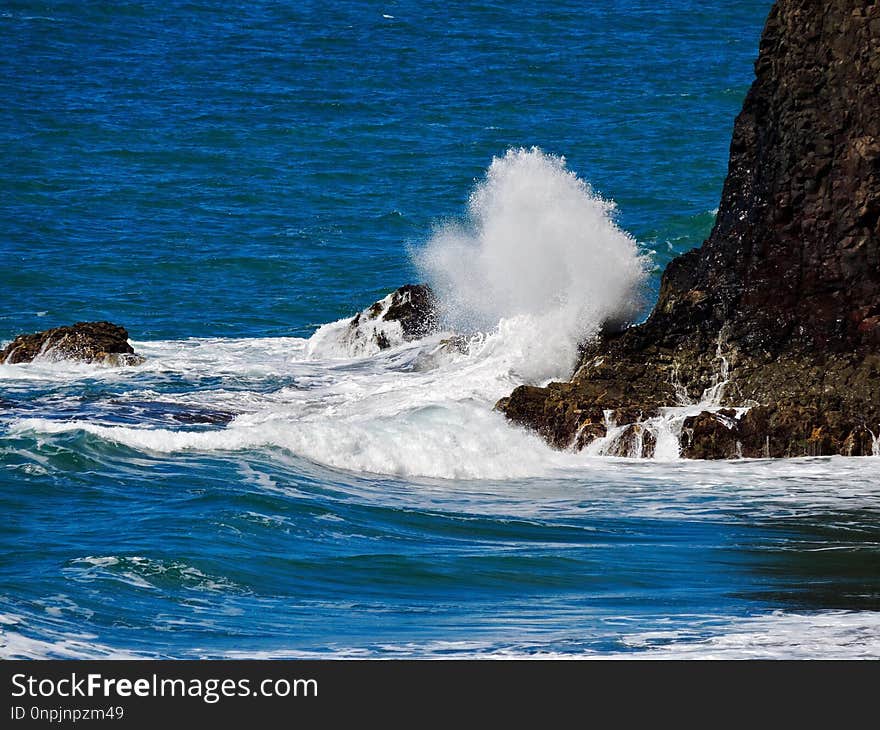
(777, 430)
(92, 342)
(406, 314)
(779, 310)
(413, 306)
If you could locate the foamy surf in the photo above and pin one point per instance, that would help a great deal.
(538, 265)
(823, 635)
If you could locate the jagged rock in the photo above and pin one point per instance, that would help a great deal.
(787, 286)
(711, 436)
(413, 306)
(776, 431)
(407, 313)
(94, 342)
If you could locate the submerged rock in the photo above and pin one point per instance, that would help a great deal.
(780, 308)
(92, 342)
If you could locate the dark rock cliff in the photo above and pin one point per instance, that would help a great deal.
(787, 287)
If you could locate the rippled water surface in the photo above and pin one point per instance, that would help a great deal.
(224, 183)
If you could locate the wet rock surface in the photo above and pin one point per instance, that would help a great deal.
(91, 342)
(785, 293)
(410, 307)
(635, 441)
(777, 431)
(413, 306)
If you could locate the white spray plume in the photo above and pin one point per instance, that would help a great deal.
(540, 253)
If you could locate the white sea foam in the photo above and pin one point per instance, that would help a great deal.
(191, 358)
(777, 635)
(538, 265)
(389, 413)
(21, 637)
(18, 645)
(383, 414)
(780, 635)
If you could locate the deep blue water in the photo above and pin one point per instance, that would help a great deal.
(265, 164)
(224, 178)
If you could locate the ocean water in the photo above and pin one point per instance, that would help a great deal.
(232, 183)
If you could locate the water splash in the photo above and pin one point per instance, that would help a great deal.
(539, 255)
(714, 393)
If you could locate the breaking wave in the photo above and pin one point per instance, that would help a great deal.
(537, 266)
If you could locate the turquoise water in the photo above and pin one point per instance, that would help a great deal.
(225, 181)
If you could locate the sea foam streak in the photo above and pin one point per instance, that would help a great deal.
(538, 265)
(817, 635)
